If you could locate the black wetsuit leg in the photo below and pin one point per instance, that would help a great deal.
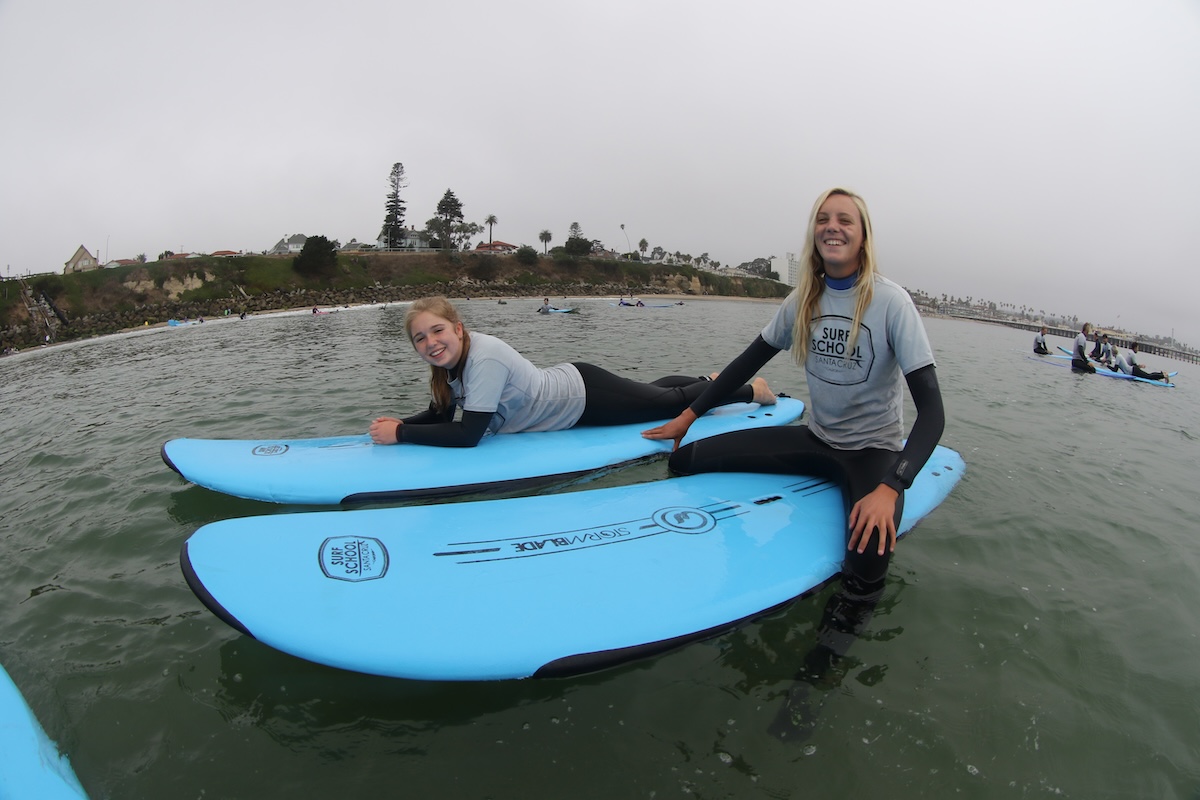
(794, 450)
(1138, 372)
(1082, 366)
(848, 611)
(613, 400)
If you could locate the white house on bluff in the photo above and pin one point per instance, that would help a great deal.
(81, 261)
(288, 245)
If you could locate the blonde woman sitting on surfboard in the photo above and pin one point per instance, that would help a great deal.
(859, 339)
(500, 391)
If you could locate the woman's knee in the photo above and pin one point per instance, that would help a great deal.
(866, 570)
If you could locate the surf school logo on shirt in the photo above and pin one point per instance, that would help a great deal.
(353, 558)
(830, 357)
(269, 450)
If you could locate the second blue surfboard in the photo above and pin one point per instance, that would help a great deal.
(352, 469)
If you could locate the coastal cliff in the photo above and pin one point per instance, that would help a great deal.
(85, 304)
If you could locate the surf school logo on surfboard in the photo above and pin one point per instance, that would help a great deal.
(353, 558)
(269, 450)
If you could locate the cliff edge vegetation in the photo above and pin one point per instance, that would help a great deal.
(98, 302)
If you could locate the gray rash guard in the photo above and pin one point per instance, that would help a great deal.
(857, 396)
(520, 396)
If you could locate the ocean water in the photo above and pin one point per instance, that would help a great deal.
(1038, 636)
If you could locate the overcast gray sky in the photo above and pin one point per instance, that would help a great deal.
(1034, 152)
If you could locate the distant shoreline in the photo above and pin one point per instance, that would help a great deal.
(532, 298)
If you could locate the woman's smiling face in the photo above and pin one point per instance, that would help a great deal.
(838, 233)
(436, 339)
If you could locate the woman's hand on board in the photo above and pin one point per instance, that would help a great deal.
(675, 429)
(384, 430)
(876, 510)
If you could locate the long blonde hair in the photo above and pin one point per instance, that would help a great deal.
(439, 377)
(812, 277)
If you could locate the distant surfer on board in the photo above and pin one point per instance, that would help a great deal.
(1079, 356)
(1136, 368)
(1105, 356)
(860, 339)
(1039, 342)
(500, 391)
(1119, 364)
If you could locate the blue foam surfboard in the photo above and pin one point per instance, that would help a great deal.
(1107, 373)
(533, 586)
(30, 764)
(349, 469)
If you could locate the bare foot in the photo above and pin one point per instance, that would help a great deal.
(762, 393)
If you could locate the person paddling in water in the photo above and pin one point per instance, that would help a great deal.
(859, 339)
(500, 391)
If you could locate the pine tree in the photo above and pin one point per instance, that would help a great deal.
(449, 215)
(392, 233)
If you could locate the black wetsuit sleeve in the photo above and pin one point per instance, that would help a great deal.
(429, 416)
(926, 431)
(440, 432)
(735, 375)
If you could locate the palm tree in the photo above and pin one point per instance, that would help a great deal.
(490, 221)
(544, 237)
(642, 246)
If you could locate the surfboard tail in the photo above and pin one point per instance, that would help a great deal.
(201, 591)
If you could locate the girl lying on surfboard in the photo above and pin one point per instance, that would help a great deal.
(500, 391)
(860, 339)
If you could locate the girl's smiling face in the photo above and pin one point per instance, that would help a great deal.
(436, 339)
(838, 233)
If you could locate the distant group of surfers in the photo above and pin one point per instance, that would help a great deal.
(1103, 353)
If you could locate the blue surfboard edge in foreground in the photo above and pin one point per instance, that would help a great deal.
(547, 586)
(31, 765)
(352, 469)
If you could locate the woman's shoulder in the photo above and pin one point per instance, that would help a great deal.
(485, 347)
(891, 295)
(883, 284)
(486, 343)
